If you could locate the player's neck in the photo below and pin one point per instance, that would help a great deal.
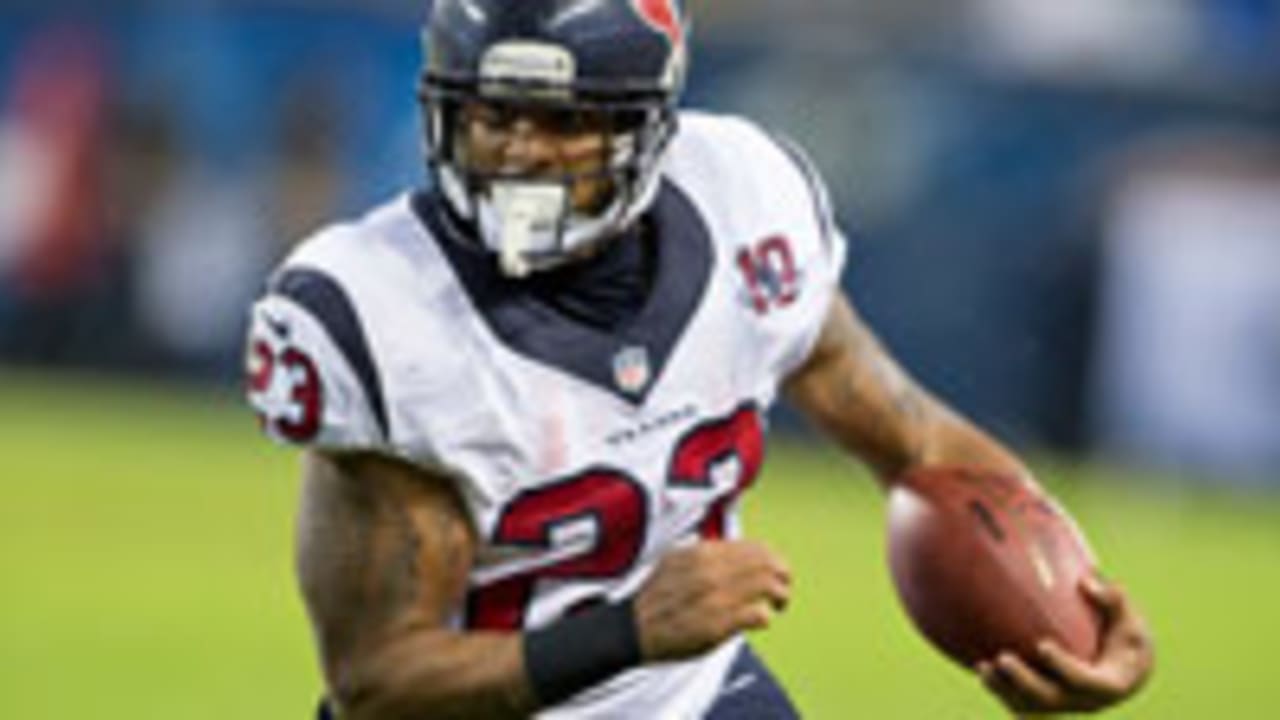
(608, 288)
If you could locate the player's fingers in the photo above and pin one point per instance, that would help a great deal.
(1123, 665)
(1087, 681)
(742, 585)
(1008, 694)
(758, 573)
(1107, 597)
(754, 616)
(1127, 652)
(761, 586)
(1127, 629)
(1002, 687)
(1120, 619)
(1033, 690)
(782, 571)
(762, 555)
(778, 593)
(759, 551)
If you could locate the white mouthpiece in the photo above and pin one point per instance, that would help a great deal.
(528, 215)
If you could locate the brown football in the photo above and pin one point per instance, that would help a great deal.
(983, 562)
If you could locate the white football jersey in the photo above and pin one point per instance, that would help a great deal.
(583, 455)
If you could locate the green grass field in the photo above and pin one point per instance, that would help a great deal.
(145, 557)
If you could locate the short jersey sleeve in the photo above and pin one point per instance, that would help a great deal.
(806, 283)
(310, 375)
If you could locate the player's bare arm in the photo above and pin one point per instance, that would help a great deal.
(853, 390)
(384, 553)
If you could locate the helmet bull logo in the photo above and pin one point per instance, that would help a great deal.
(663, 16)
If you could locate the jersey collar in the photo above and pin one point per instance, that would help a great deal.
(626, 361)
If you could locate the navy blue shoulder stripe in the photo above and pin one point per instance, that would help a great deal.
(321, 295)
(817, 189)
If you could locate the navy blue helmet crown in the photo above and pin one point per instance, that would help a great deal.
(620, 46)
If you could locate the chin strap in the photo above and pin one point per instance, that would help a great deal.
(526, 212)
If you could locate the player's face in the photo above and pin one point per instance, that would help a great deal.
(531, 142)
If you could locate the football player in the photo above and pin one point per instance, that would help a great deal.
(531, 397)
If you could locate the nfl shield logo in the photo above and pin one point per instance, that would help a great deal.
(631, 369)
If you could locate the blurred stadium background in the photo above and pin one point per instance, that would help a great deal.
(1065, 219)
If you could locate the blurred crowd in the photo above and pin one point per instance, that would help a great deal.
(153, 166)
(1066, 216)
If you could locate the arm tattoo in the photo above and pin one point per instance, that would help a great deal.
(363, 550)
(456, 559)
(900, 399)
(855, 390)
(384, 558)
(402, 574)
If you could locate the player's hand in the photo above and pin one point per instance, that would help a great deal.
(702, 595)
(1057, 681)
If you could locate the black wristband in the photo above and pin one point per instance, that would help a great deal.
(580, 650)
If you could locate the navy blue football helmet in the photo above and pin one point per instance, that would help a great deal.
(616, 66)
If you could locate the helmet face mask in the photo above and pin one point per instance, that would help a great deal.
(588, 148)
(601, 111)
